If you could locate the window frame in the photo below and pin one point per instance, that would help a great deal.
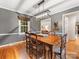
(20, 25)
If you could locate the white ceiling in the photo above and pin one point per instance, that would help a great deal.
(26, 6)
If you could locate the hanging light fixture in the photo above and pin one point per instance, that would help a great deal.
(43, 10)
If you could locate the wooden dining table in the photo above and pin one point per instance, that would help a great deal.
(49, 39)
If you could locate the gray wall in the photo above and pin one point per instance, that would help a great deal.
(8, 21)
(58, 16)
(34, 24)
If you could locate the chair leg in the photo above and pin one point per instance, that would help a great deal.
(44, 54)
(36, 53)
(44, 51)
(49, 57)
(47, 54)
(60, 56)
(54, 56)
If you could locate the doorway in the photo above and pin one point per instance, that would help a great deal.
(70, 25)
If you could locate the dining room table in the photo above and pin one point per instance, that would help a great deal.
(50, 40)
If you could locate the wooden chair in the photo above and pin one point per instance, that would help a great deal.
(35, 47)
(61, 48)
(27, 35)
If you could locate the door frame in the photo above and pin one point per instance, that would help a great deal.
(63, 20)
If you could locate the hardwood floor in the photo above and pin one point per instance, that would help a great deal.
(73, 49)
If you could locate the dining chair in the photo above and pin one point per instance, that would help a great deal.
(36, 47)
(60, 49)
(27, 35)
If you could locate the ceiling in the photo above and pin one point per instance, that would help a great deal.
(30, 7)
(27, 6)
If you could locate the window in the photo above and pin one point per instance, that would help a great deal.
(23, 26)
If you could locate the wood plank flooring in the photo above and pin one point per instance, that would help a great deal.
(73, 49)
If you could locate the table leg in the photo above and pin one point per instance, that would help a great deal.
(51, 51)
(44, 52)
